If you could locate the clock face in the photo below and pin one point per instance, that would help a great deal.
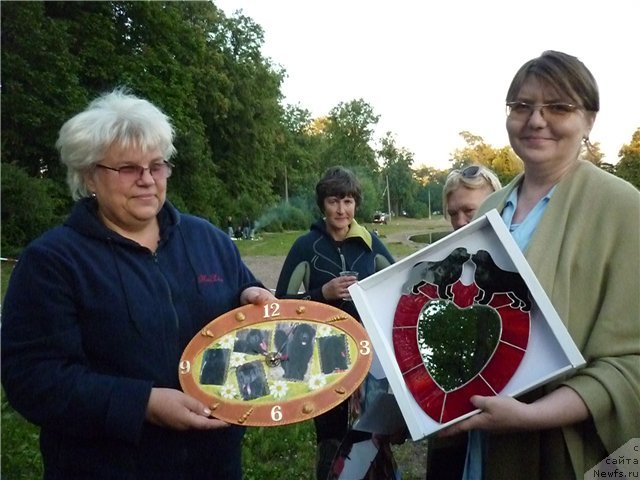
(452, 340)
(276, 364)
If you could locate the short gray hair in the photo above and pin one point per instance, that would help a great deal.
(117, 117)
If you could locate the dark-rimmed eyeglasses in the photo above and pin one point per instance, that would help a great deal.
(159, 171)
(550, 111)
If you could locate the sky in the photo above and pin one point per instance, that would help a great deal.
(433, 69)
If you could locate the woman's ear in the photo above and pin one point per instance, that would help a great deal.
(590, 120)
(89, 180)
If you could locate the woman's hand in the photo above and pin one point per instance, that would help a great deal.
(497, 413)
(558, 408)
(338, 288)
(174, 409)
(257, 296)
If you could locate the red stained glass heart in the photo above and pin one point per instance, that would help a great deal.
(449, 349)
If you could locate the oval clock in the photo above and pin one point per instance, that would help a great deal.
(275, 364)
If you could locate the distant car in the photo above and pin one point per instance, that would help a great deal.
(380, 217)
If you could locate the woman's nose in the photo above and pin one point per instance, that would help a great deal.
(537, 117)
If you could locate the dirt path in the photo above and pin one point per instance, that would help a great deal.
(266, 268)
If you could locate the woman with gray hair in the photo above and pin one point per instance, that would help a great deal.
(99, 310)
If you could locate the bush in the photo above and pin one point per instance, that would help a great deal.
(284, 217)
(29, 207)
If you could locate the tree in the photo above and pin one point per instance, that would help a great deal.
(398, 174)
(40, 88)
(29, 207)
(239, 150)
(300, 148)
(167, 49)
(429, 193)
(243, 121)
(503, 161)
(370, 194)
(628, 166)
(350, 135)
(476, 151)
(506, 165)
(592, 153)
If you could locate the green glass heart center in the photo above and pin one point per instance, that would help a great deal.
(456, 343)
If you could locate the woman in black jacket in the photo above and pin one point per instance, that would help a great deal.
(312, 271)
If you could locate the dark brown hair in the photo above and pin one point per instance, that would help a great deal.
(338, 182)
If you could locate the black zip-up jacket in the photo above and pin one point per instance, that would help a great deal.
(315, 258)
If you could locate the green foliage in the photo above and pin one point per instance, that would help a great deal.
(39, 87)
(371, 198)
(288, 450)
(30, 206)
(269, 244)
(299, 147)
(503, 161)
(20, 453)
(628, 166)
(240, 150)
(349, 135)
(203, 69)
(284, 217)
(399, 177)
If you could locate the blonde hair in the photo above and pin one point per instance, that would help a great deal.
(473, 177)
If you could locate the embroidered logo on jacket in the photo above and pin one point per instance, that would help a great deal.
(209, 278)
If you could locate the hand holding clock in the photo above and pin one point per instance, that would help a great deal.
(257, 296)
(173, 409)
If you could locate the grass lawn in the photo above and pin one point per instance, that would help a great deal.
(278, 244)
(275, 452)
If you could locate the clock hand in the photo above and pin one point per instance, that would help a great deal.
(273, 359)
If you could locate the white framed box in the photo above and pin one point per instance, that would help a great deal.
(475, 280)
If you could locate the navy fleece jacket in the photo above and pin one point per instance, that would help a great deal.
(92, 321)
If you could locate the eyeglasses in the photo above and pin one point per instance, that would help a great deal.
(550, 111)
(131, 173)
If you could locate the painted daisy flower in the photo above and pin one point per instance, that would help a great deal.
(278, 389)
(324, 331)
(228, 391)
(227, 341)
(237, 359)
(317, 381)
